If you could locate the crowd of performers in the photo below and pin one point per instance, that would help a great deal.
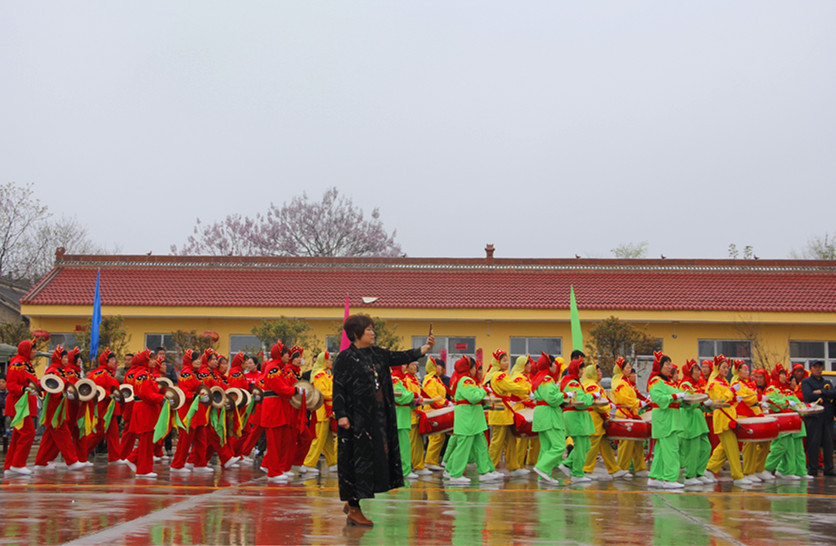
(529, 414)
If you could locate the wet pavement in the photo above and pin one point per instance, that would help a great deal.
(106, 504)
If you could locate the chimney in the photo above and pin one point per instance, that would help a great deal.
(489, 252)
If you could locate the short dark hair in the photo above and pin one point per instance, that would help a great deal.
(817, 363)
(664, 359)
(355, 325)
(158, 349)
(577, 353)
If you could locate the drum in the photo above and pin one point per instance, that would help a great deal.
(695, 398)
(437, 421)
(756, 429)
(809, 409)
(788, 422)
(522, 423)
(628, 429)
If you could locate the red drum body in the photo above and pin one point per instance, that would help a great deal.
(788, 422)
(757, 429)
(628, 429)
(522, 423)
(437, 421)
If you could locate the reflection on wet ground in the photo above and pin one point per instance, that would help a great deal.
(105, 504)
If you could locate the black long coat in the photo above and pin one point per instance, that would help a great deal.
(368, 454)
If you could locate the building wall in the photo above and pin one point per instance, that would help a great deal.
(679, 330)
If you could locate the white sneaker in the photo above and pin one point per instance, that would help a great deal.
(642, 474)
(792, 477)
(490, 477)
(313, 471)
(290, 474)
(620, 474)
(742, 482)
(41, 467)
(692, 481)
(87, 464)
(189, 466)
(411, 476)
(602, 477)
(753, 478)
(179, 470)
(296, 469)
(445, 475)
(520, 472)
(459, 481)
(150, 475)
(778, 474)
(131, 465)
(580, 479)
(434, 467)
(672, 485)
(807, 477)
(22, 470)
(542, 476)
(263, 469)
(248, 460)
(203, 470)
(424, 472)
(78, 465)
(157, 459)
(333, 468)
(654, 483)
(281, 478)
(766, 475)
(707, 479)
(565, 469)
(231, 462)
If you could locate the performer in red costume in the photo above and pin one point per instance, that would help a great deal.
(20, 375)
(57, 436)
(278, 418)
(107, 426)
(189, 383)
(148, 401)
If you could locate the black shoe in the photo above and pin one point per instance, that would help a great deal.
(829, 473)
(813, 474)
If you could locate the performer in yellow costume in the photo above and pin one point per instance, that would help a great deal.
(325, 441)
(416, 441)
(434, 387)
(630, 452)
(501, 419)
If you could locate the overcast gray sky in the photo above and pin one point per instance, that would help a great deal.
(547, 128)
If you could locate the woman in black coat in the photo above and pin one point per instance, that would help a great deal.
(368, 455)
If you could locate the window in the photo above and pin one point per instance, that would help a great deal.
(152, 341)
(332, 343)
(247, 343)
(533, 346)
(806, 352)
(67, 341)
(454, 347)
(707, 349)
(649, 357)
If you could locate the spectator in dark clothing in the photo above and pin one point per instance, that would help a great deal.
(819, 426)
(3, 392)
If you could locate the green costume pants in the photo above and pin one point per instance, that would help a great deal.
(406, 450)
(577, 458)
(467, 447)
(695, 453)
(779, 454)
(552, 446)
(665, 464)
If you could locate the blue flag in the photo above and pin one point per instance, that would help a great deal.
(97, 320)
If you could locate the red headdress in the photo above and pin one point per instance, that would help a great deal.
(461, 368)
(542, 366)
(237, 360)
(572, 373)
(104, 357)
(776, 376)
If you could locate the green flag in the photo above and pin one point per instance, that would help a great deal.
(161, 428)
(575, 320)
(21, 411)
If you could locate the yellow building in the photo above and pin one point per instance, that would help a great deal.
(763, 311)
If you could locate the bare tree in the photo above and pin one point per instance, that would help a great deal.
(334, 226)
(21, 215)
(630, 250)
(818, 248)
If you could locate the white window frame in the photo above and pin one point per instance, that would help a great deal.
(528, 348)
(828, 359)
(701, 357)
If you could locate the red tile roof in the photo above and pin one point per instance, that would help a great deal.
(443, 283)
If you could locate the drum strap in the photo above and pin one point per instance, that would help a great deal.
(541, 403)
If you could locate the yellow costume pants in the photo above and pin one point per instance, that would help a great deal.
(600, 444)
(417, 445)
(434, 445)
(502, 439)
(754, 457)
(533, 451)
(325, 442)
(631, 451)
(726, 450)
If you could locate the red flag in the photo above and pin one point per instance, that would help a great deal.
(344, 343)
